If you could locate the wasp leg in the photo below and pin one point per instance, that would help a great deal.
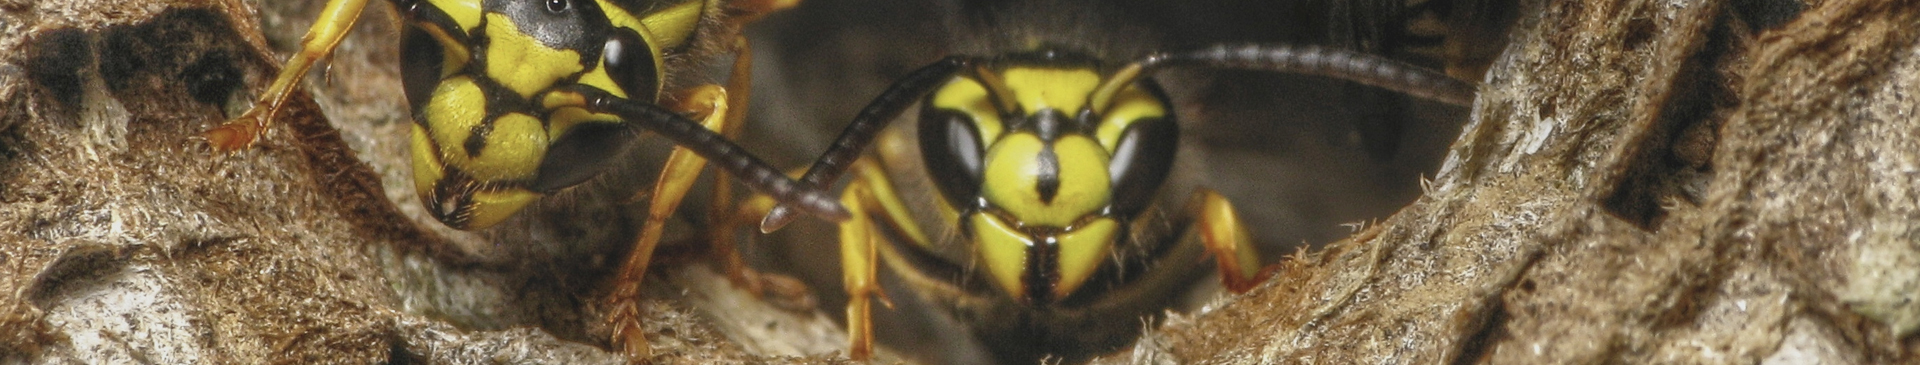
(748, 11)
(790, 293)
(858, 261)
(682, 169)
(873, 201)
(740, 81)
(335, 20)
(1227, 240)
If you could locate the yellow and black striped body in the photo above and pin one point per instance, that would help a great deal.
(485, 144)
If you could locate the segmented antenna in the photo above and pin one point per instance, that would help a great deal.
(865, 126)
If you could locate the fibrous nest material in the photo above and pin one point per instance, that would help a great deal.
(1643, 181)
(1715, 182)
(124, 238)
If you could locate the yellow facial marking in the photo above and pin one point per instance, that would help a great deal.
(1013, 171)
(426, 166)
(520, 62)
(491, 207)
(598, 78)
(1003, 250)
(513, 150)
(457, 106)
(464, 12)
(967, 96)
(1081, 252)
(565, 118)
(1130, 105)
(1065, 90)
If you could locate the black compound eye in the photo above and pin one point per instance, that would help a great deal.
(953, 149)
(629, 62)
(420, 61)
(1140, 163)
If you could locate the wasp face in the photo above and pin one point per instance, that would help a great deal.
(484, 145)
(1044, 179)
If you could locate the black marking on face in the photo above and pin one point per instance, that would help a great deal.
(501, 100)
(477, 137)
(1048, 183)
(1049, 124)
(451, 201)
(1043, 269)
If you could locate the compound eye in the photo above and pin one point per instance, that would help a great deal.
(559, 5)
(1140, 163)
(630, 63)
(952, 147)
(420, 64)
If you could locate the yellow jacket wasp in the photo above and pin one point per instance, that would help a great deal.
(1047, 150)
(514, 99)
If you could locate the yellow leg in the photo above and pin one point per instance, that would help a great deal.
(747, 11)
(740, 82)
(858, 262)
(335, 20)
(709, 102)
(872, 200)
(788, 292)
(1227, 240)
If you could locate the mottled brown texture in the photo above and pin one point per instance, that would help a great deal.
(126, 239)
(1643, 181)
